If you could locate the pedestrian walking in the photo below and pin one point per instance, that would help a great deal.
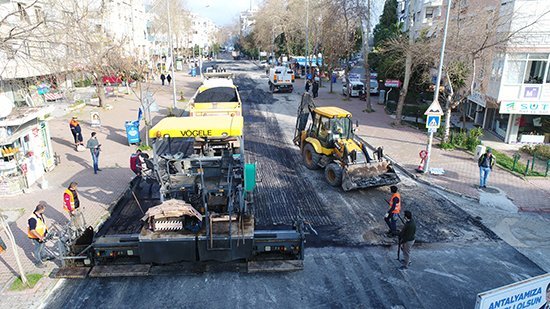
(76, 131)
(162, 78)
(393, 213)
(406, 239)
(315, 88)
(308, 84)
(95, 148)
(37, 231)
(485, 163)
(71, 204)
(168, 79)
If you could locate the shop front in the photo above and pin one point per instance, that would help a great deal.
(25, 149)
(522, 122)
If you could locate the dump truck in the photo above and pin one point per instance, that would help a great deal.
(217, 96)
(202, 213)
(329, 143)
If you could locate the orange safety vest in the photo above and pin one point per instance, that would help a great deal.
(71, 200)
(41, 228)
(397, 209)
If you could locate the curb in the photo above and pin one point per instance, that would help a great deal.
(416, 177)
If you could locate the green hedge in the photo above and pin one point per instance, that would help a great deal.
(508, 163)
(408, 109)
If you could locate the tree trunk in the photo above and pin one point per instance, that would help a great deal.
(11, 238)
(408, 69)
(99, 90)
(449, 105)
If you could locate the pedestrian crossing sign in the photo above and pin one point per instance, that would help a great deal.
(433, 121)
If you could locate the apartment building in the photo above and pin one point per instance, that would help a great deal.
(425, 15)
(515, 104)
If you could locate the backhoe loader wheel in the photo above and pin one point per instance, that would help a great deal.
(311, 158)
(333, 174)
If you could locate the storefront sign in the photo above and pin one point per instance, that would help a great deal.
(478, 98)
(542, 108)
(531, 92)
(532, 293)
(392, 83)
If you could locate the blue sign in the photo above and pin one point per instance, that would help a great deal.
(433, 121)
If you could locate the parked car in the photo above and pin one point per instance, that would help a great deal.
(339, 71)
(353, 88)
(373, 86)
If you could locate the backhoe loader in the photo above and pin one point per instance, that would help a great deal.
(329, 143)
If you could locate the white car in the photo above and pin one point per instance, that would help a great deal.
(353, 88)
(373, 86)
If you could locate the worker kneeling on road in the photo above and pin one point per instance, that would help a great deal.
(393, 213)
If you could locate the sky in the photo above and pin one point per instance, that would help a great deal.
(221, 12)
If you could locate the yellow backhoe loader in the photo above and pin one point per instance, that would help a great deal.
(329, 143)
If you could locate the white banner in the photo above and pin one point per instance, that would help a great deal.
(532, 293)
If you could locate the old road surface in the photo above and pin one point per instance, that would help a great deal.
(349, 264)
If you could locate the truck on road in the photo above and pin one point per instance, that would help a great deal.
(281, 79)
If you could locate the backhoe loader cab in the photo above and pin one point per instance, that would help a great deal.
(329, 143)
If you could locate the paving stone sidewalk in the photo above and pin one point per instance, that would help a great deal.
(96, 192)
(404, 143)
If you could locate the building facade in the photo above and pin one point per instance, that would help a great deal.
(516, 102)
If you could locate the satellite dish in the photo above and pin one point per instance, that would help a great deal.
(6, 106)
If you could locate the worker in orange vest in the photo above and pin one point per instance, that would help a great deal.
(37, 231)
(71, 204)
(393, 213)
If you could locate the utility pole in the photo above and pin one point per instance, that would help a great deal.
(170, 45)
(307, 36)
(435, 104)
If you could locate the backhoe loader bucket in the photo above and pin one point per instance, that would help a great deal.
(366, 175)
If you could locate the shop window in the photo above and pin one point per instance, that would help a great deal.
(535, 72)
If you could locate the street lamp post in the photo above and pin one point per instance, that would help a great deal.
(438, 81)
(307, 35)
(170, 45)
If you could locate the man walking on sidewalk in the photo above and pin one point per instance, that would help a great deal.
(162, 78)
(94, 147)
(406, 239)
(485, 163)
(393, 213)
(71, 204)
(37, 231)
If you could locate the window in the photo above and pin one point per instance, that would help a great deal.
(536, 68)
(429, 13)
(514, 72)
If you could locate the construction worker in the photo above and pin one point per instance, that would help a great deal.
(136, 165)
(37, 231)
(406, 239)
(394, 211)
(71, 203)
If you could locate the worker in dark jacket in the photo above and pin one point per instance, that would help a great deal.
(393, 212)
(485, 163)
(406, 239)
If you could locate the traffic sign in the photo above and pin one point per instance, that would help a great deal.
(392, 83)
(434, 109)
(433, 121)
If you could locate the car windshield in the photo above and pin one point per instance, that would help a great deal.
(357, 87)
(340, 127)
(373, 84)
(217, 94)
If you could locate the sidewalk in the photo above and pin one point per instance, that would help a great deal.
(96, 192)
(404, 143)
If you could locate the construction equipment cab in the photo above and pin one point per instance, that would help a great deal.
(281, 78)
(217, 96)
(329, 143)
